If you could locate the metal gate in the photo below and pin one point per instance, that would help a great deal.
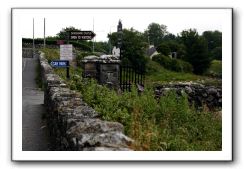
(131, 75)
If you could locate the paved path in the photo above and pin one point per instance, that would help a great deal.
(34, 131)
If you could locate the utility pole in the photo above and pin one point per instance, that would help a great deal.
(93, 38)
(33, 49)
(44, 39)
(110, 44)
(110, 50)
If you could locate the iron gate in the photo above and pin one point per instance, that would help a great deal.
(131, 75)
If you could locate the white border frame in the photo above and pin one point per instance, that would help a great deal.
(224, 155)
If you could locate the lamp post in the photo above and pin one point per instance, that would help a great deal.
(44, 34)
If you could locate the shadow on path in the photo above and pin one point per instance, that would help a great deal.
(34, 129)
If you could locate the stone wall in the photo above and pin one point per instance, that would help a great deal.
(198, 94)
(72, 123)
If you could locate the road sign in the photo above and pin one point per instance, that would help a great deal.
(81, 35)
(60, 63)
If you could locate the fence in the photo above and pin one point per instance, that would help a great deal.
(130, 75)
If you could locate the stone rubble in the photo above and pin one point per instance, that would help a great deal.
(72, 123)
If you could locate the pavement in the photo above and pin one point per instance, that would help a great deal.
(35, 135)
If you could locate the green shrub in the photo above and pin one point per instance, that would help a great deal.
(165, 61)
(164, 49)
(168, 125)
(81, 46)
(51, 54)
(215, 69)
(173, 64)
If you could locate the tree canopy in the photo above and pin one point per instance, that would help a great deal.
(133, 46)
(196, 50)
(64, 33)
(214, 39)
(155, 33)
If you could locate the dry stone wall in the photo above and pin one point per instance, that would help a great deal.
(198, 94)
(72, 123)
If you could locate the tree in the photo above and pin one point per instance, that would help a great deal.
(216, 53)
(155, 33)
(169, 37)
(164, 49)
(196, 50)
(175, 46)
(214, 39)
(133, 46)
(64, 33)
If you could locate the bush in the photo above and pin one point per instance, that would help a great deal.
(51, 54)
(81, 46)
(173, 64)
(164, 49)
(165, 61)
(215, 69)
(169, 124)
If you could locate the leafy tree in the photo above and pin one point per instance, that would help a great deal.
(164, 49)
(216, 53)
(155, 33)
(64, 33)
(102, 47)
(169, 37)
(133, 46)
(196, 50)
(214, 39)
(175, 46)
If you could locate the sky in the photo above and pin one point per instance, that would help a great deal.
(103, 21)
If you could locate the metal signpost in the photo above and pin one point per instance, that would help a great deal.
(81, 35)
(61, 64)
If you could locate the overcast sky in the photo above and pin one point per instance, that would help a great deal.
(106, 20)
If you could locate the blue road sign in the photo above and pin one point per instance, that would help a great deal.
(60, 63)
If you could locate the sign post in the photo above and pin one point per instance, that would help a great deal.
(66, 52)
(81, 35)
(61, 64)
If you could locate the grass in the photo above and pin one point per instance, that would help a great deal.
(169, 124)
(156, 74)
(165, 125)
(51, 54)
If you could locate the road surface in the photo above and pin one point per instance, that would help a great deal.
(34, 130)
